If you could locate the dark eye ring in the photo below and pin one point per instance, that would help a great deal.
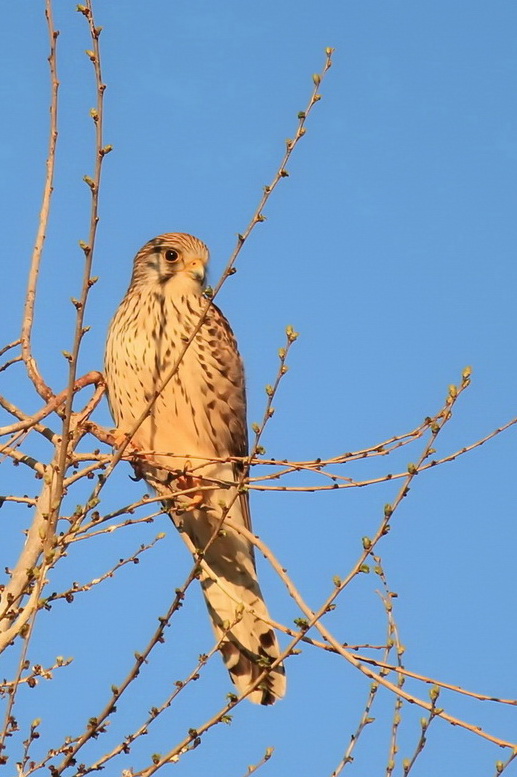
(171, 255)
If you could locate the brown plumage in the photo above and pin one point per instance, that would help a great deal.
(200, 415)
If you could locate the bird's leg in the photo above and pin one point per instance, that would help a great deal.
(131, 452)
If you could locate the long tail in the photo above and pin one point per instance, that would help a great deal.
(237, 609)
(239, 615)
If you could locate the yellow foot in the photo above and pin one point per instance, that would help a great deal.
(186, 482)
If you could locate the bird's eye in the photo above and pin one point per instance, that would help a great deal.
(171, 255)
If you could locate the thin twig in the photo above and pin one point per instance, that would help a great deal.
(408, 763)
(30, 297)
(265, 758)
(180, 685)
(88, 250)
(9, 346)
(76, 588)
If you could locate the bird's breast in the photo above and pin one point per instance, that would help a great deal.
(197, 390)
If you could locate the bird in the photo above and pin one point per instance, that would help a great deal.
(194, 438)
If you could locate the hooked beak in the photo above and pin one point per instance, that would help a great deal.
(196, 270)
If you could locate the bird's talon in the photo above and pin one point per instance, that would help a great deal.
(186, 482)
(193, 504)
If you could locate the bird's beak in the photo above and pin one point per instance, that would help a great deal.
(196, 269)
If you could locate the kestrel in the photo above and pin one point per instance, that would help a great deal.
(197, 421)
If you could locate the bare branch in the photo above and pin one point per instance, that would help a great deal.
(28, 314)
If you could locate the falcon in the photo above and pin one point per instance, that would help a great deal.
(193, 429)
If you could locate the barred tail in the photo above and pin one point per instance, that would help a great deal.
(248, 644)
(239, 615)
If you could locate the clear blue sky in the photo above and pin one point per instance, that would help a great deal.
(391, 248)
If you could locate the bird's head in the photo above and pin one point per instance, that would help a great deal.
(174, 255)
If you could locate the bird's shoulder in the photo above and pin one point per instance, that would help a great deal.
(215, 318)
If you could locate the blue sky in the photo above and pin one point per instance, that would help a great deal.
(390, 248)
